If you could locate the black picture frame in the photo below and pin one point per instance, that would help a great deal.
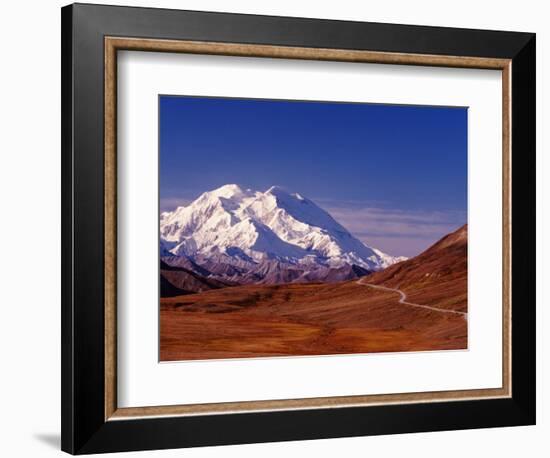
(84, 428)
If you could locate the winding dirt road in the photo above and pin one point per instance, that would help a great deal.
(403, 299)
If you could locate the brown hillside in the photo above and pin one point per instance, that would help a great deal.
(438, 276)
(174, 279)
(326, 318)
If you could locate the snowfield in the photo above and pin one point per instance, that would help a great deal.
(253, 226)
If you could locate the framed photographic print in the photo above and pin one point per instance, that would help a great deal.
(282, 228)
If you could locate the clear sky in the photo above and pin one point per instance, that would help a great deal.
(393, 175)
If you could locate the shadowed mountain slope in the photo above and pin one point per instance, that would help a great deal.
(439, 275)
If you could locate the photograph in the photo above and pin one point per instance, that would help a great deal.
(277, 227)
(294, 228)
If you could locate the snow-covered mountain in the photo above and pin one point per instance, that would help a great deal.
(243, 227)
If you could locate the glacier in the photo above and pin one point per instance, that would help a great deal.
(241, 225)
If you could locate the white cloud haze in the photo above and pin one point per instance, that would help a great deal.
(395, 231)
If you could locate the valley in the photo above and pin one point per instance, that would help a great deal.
(322, 318)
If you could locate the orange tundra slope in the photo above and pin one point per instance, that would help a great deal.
(356, 316)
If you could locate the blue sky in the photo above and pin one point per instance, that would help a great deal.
(394, 175)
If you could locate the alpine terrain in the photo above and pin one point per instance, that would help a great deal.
(234, 236)
(261, 274)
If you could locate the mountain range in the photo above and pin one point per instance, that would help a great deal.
(356, 316)
(235, 236)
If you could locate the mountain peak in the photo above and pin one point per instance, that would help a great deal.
(275, 224)
(283, 193)
(276, 189)
(228, 191)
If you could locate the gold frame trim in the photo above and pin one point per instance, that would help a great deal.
(112, 45)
